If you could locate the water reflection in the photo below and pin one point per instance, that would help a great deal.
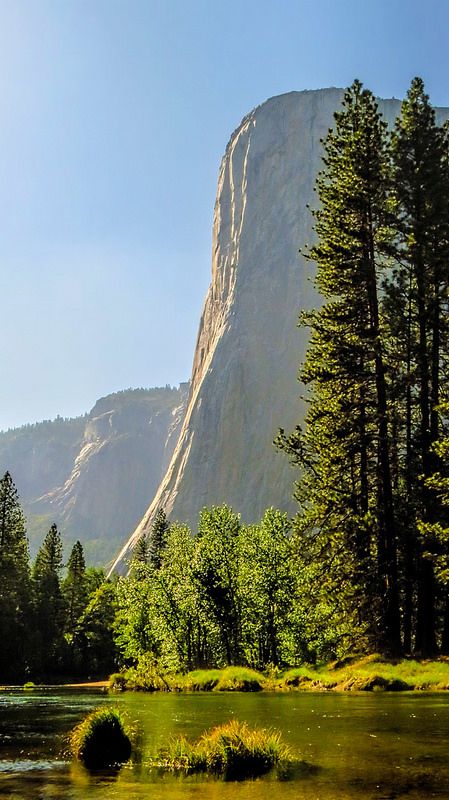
(361, 746)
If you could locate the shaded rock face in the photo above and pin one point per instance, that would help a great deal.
(243, 385)
(93, 476)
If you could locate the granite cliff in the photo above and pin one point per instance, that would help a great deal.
(93, 475)
(243, 385)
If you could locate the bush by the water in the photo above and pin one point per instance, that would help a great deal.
(102, 739)
(233, 750)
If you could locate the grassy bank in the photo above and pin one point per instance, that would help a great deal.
(370, 673)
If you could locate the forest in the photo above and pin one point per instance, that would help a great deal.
(363, 566)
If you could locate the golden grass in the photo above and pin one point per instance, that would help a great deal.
(358, 673)
(233, 750)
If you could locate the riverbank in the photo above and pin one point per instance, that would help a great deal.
(368, 674)
(30, 686)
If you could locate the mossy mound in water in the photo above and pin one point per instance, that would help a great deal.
(102, 739)
(233, 750)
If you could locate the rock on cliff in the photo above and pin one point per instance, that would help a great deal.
(243, 385)
(93, 475)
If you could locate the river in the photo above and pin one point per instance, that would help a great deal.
(382, 745)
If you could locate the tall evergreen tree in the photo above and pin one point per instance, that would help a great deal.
(50, 609)
(157, 539)
(346, 492)
(418, 301)
(15, 593)
(140, 559)
(74, 587)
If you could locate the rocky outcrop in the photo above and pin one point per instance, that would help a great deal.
(243, 385)
(93, 475)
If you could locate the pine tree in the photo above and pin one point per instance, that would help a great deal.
(345, 492)
(50, 611)
(140, 559)
(418, 301)
(157, 539)
(141, 550)
(74, 587)
(15, 592)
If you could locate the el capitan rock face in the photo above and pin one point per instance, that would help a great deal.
(243, 385)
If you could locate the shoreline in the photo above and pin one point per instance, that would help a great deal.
(371, 673)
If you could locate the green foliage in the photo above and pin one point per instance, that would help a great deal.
(146, 677)
(436, 533)
(231, 594)
(117, 682)
(370, 673)
(267, 580)
(216, 570)
(200, 680)
(377, 370)
(140, 556)
(49, 602)
(93, 650)
(233, 750)
(230, 679)
(417, 304)
(102, 739)
(74, 587)
(345, 490)
(158, 539)
(15, 590)
(48, 628)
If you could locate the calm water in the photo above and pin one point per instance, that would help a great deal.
(358, 745)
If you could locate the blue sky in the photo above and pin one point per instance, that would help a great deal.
(114, 118)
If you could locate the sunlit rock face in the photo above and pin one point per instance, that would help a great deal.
(244, 378)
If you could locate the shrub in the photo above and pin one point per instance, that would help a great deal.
(102, 739)
(117, 682)
(233, 750)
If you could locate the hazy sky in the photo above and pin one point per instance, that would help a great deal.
(115, 115)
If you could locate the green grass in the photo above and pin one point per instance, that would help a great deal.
(368, 673)
(200, 680)
(102, 739)
(306, 678)
(230, 679)
(371, 673)
(233, 750)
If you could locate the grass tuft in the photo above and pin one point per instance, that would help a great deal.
(102, 739)
(234, 751)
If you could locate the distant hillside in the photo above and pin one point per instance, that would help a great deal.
(93, 475)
